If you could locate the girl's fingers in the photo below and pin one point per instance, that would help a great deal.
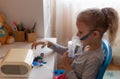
(43, 45)
(33, 46)
(65, 54)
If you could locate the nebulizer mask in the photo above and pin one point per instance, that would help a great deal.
(75, 46)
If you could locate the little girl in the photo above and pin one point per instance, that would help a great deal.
(91, 26)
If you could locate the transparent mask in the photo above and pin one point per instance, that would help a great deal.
(75, 46)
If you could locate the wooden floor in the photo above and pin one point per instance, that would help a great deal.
(113, 67)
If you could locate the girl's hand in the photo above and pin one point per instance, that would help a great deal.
(67, 62)
(41, 42)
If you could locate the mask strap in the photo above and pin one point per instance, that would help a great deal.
(86, 36)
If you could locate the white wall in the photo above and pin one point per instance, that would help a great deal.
(26, 11)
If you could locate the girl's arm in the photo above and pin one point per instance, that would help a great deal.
(58, 48)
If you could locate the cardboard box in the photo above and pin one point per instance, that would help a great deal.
(31, 37)
(19, 36)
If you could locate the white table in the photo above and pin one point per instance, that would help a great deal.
(42, 72)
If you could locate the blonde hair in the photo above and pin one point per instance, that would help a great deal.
(101, 20)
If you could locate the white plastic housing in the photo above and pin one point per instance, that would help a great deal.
(17, 63)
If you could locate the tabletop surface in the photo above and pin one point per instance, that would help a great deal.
(37, 72)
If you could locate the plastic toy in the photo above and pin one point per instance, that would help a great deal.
(59, 74)
(39, 60)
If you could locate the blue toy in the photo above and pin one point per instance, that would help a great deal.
(59, 74)
(39, 60)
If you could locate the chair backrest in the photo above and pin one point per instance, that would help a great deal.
(107, 58)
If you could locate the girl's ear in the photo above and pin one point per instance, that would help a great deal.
(96, 34)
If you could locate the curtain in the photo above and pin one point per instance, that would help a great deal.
(62, 21)
(63, 18)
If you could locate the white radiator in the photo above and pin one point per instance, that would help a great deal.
(17, 63)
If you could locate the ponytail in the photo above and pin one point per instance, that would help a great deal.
(105, 19)
(112, 20)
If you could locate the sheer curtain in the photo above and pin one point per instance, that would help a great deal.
(63, 18)
(64, 12)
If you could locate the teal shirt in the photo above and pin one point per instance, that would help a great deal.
(2, 31)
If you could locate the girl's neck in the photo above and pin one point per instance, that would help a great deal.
(95, 46)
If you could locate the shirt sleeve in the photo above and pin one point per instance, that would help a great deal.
(71, 75)
(92, 66)
(58, 48)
